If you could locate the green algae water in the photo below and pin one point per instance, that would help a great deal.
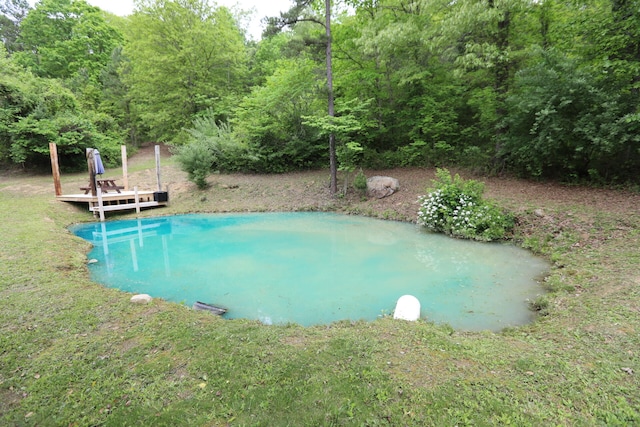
(315, 268)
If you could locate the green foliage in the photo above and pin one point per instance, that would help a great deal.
(349, 156)
(475, 158)
(196, 159)
(349, 124)
(360, 182)
(212, 146)
(565, 123)
(266, 56)
(350, 121)
(62, 38)
(184, 57)
(35, 112)
(455, 207)
(542, 89)
(12, 12)
(271, 118)
(230, 153)
(414, 154)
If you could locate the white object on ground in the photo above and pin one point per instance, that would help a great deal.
(141, 299)
(407, 308)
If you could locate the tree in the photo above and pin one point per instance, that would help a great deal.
(299, 13)
(330, 104)
(271, 118)
(63, 38)
(349, 126)
(115, 98)
(564, 123)
(12, 12)
(35, 111)
(185, 57)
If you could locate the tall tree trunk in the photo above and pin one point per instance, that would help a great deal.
(502, 75)
(332, 138)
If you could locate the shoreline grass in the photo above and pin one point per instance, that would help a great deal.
(75, 353)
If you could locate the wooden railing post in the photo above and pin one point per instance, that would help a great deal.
(157, 152)
(91, 165)
(55, 168)
(125, 171)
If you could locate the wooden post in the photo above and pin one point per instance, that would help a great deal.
(100, 204)
(91, 165)
(125, 171)
(157, 151)
(55, 168)
(137, 198)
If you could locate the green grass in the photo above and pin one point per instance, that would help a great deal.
(75, 353)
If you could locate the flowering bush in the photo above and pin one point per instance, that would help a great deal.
(456, 207)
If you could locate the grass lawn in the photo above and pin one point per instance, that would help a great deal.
(73, 353)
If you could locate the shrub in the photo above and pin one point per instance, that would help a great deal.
(456, 207)
(212, 146)
(230, 154)
(196, 159)
(360, 182)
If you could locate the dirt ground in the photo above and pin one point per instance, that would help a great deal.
(310, 190)
(515, 193)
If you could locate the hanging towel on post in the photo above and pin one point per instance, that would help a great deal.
(98, 162)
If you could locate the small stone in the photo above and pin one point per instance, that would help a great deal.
(92, 261)
(141, 299)
(539, 213)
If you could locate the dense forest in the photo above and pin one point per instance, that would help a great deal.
(541, 88)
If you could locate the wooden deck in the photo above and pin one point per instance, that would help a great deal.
(112, 201)
(108, 195)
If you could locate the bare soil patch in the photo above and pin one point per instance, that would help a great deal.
(309, 190)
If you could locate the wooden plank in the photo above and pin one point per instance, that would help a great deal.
(92, 171)
(125, 169)
(100, 205)
(124, 206)
(135, 189)
(55, 168)
(124, 195)
(157, 152)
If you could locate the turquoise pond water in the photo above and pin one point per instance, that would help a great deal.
(315, 268)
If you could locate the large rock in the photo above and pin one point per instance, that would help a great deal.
(382, 186)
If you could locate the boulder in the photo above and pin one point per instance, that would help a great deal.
(141, 299)
(382, 186)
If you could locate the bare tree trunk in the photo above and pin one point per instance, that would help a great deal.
(332, 138)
